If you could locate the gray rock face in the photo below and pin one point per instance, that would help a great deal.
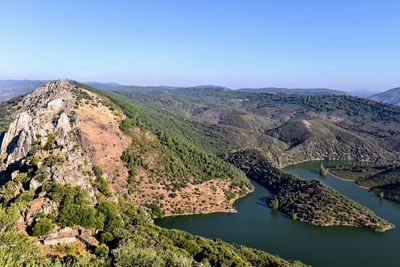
(48, 111)
(60, 240)
(63, 126)
(41, 107)
(18, 139)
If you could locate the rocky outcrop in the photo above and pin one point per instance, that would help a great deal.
(63, 126)
(63, 236)
(17, 141)
(41, 107)
(40, 205)
(49, 124)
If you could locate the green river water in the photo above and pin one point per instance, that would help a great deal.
(256, 225)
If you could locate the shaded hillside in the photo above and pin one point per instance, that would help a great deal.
(308, 201)
(384, 180)
(391, 96)
(64, 161)
(168, 168)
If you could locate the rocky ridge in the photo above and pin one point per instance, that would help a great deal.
(48, 119)
(43, 146)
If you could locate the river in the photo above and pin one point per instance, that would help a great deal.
(256, 225)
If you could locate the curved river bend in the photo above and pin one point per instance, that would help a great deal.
(256, 225)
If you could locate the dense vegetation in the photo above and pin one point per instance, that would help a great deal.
(129, 239)
(309, 201)
(303, 92)
(164, 120)
(178, 161)
(345, 127)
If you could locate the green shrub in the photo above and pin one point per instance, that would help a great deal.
(103, 186)
(76, 207)
(42, 227)
(106, 237)
(112, 217)
(98, 171)
(53, 160)
(51, 139)
(21, 177)
(102, 250)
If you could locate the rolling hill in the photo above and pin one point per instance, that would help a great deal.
(360, 129)
(391, 96)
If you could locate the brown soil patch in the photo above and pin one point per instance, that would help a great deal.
(36, 204)
(103, 139)
(207, 197)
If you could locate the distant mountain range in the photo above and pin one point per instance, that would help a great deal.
(12, 88)
(362, 93)
(391, 96)
(295, 91)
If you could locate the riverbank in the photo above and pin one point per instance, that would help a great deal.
(347, 180)
(258, 226)
(309, 201)
(228, 209)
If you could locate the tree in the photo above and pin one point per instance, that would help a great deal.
(98, 171)
(274, 203)
(102, 250)
(103, 186)
(17, 250)
(106, 237)
(322, 170)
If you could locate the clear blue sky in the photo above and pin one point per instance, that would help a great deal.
(342, 44)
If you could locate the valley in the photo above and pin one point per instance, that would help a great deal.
(73, 193)
(307, 201)
(258, 226)
(85, 171)
(199, 133)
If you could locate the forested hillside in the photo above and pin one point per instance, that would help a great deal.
(384, 180)
(333, 126)
(309, 201)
